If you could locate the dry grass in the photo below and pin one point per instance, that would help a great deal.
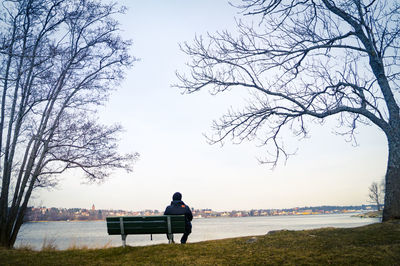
(49, 244)
(376, 244)
(75, 246)
(25, 247)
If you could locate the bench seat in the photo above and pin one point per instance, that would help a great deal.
(134, 225)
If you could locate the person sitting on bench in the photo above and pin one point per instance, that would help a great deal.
(178, 207)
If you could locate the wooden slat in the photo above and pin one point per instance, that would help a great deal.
(145, 224)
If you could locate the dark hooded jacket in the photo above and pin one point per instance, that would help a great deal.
(178, 207)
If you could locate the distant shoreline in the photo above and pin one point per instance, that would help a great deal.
(45, 221)
(372, 214)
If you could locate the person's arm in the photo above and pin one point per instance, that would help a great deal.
(189, 213)
(166, 212)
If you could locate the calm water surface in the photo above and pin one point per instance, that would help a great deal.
(94, 234)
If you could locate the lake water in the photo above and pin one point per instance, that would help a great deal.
(93, 234)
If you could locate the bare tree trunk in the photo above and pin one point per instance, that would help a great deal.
(5, 180)
(392, 190)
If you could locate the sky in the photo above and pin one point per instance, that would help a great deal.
(167, 128)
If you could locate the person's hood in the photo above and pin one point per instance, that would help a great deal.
(177, 196)
(177, 202)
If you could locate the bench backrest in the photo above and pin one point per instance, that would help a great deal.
(127, 225)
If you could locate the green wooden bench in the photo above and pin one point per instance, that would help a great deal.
(135, 225)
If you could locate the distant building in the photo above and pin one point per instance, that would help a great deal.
(93, 207)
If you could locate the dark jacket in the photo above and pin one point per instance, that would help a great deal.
(178, 207)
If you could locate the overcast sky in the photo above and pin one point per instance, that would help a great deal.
(167, 129)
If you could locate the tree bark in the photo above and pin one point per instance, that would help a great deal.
(5, 180)
(392, 191)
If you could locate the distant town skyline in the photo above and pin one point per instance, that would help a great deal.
(78, 214)
(167, 129)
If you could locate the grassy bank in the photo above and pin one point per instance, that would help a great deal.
(375, 244)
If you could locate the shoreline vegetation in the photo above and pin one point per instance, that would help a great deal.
(372, 214)
(374, 244)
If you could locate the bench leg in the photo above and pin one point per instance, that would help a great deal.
(123, 240)
(171, 238)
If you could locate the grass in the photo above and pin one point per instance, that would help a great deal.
(49, 244)
(375, 244)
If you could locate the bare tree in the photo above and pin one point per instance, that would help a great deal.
(305, 61)
(376, 194)
(58, 61)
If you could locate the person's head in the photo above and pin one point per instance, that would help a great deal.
(177, 196)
